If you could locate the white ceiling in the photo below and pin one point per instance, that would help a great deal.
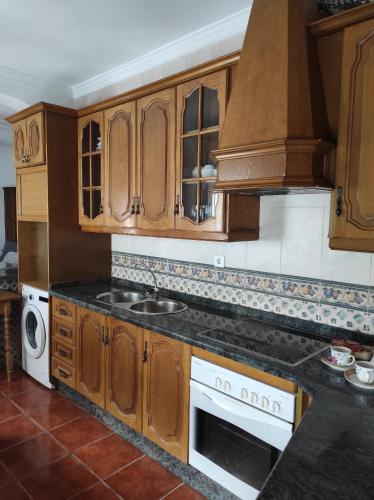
(49, 48)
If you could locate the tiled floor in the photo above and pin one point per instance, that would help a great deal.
(52, 449)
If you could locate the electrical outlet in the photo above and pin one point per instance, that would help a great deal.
(219, 260)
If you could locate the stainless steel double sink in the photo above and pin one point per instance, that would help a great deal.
(140, 303)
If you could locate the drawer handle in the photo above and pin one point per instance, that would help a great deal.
(63, 353)
(63, 373)
(63, 312)
(63, 333)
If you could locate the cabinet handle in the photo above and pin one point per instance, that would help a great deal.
(176, 210)
(339, 201)
(63, 353)
(137, 209)
(63, 332)
(63, 373)
(63, 311)
(145, 352)
(133, 208)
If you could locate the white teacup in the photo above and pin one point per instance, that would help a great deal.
(342, 356)
(365, 372)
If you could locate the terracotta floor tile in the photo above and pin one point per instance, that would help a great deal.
(13, 492)
(8, 410)
(22, 383)
(5, 477)
(38, 397)
(98, 492)
(57, 413)
(184, 492)
(143, 480)
(80, 432)
(59, 480)
(31, 455)
(108, 455)
(16, 430)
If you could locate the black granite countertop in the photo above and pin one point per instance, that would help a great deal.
(331, 453)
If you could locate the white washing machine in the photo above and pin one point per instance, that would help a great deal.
(35, 334)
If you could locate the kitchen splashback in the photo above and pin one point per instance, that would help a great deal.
(326, 302)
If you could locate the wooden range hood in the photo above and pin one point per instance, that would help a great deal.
(275, 135)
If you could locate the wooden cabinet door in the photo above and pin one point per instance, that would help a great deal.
(201, 106)
(35, 139)
(91, 145)
(166, 393)
(156, 161)
(124, 372)
(32, 194)
(119, 209)
(19, 143)
(352, 215)
(91, 351)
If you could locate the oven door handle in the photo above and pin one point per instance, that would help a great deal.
(235, 408)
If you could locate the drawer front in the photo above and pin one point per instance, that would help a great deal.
(64, 352)
(64, 372)
(61, 330)
(64, 310)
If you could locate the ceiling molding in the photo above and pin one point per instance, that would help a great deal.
(224, 29)
(32, 89)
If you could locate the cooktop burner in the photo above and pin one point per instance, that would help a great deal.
(269, 341)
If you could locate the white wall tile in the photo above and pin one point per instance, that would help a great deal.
(337, 265)
(265, 254)
(301, 253)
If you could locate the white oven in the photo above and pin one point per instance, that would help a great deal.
(238, 427)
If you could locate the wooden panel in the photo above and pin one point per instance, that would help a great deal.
(156, 160)
(64, 331)
(91, 362)
(124, 373)
(33, 252)
(61, 309)
(19, 143)
(64, 352)
(32, 194)
(267, 378)
(352, 209)
(166, 393)
(35, 139)
(120, 165)
(64, 372)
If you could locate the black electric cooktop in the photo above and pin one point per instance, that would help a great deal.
(289, 347)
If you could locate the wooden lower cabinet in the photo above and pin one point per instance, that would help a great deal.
(91, 355)
(166, 393)
(124, 368)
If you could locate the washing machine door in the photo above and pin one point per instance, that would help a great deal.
(33, 331)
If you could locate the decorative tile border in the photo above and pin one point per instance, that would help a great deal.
(326, 302)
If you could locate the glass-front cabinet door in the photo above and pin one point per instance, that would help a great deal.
(201, 107)
(91, 182)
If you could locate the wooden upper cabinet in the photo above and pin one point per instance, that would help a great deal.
(91, 176)
(166, 393)
(124, 372)
(120, 123)
(201, 105)
(352, 215)
(156, 161)
(91, 355)
(32, 194)
(29, 141)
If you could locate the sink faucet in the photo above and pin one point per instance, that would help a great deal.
(155, 288)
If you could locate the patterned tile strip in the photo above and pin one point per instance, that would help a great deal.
(337, 304)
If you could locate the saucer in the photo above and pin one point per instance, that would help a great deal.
(325, 360)
(352, 378)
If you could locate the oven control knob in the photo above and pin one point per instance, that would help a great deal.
(218, 383)
(243, 394)
(227, 386)
(264, 402)
(254, 398)
(276, 407)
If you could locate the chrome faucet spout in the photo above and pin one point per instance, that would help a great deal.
(155, 288)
